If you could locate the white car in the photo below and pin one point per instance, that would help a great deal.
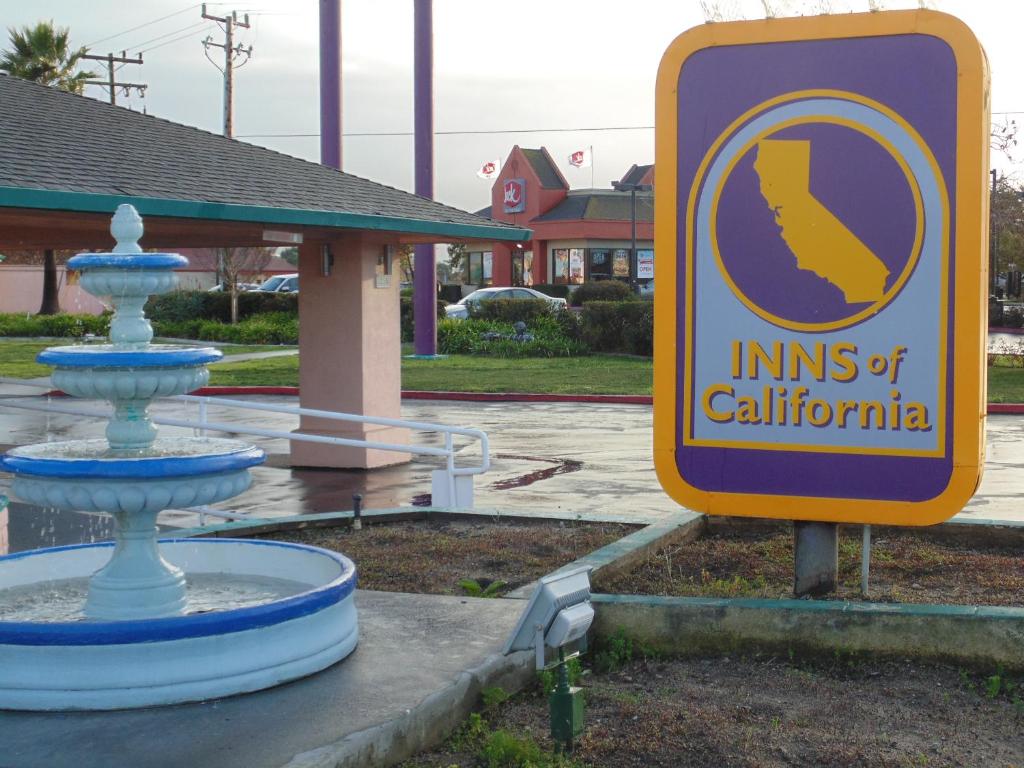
(460, 310)
(281, 284)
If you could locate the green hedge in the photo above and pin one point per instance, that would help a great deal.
(61, 326)
(466, 337)
(550, 289)
(510, 310)
(619, 326)
(604, 290)
(216, 305)
(271, 328)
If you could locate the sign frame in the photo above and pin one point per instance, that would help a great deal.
(970, 219)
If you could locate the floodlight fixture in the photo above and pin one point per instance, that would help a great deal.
(559, 613)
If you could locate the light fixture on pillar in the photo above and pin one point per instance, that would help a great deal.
(326, 260)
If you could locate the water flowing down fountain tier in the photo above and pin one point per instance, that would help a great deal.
(139, 622)
(129, 378)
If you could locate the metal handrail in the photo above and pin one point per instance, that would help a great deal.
(202, 424)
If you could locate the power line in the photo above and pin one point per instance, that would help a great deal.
(175, 40)
(142, 26)
(190, 28)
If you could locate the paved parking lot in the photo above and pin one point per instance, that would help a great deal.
(562, 459)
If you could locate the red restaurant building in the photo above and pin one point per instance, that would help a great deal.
(578, 235)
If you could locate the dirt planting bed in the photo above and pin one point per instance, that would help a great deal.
(907, 566)
(762, 712)
(438, 556)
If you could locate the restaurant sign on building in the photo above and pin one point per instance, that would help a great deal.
(515, 195)
(819, 227)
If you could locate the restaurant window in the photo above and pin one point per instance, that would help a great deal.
(600, 264)
(576, 257)
(560, 266)
(522, 267)
(620, 263)
(479, 268)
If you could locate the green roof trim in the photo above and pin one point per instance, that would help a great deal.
(85, 202)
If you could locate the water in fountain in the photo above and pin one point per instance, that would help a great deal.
(297, 600)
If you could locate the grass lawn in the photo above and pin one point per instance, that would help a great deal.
(17, 357)
(1005, 384)
(598, 374)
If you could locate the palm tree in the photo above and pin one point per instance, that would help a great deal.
(42, 54)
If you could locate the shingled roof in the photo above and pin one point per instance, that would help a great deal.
(545, 168)
(60, 151)
(600, 206)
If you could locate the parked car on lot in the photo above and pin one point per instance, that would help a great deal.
(460, 310)
(281, 284)
(242, 287)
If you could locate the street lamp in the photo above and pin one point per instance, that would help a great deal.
(625, 186)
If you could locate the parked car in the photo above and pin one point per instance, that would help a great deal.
(281, 284)
(242, 287)
(460, 310)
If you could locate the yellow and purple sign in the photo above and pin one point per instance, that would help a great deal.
(821, 229)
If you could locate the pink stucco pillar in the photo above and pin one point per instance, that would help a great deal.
(349, 353)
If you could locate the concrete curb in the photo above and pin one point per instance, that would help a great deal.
(426, 724)
(978, 636)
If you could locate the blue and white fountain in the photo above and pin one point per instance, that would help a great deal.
(139, 622)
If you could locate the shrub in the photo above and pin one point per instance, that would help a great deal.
(504, 750)
(271, 328)
(995, 311)
(511, 310)
(619, 326)
(550, 289)
(466, 337)
(1013, 317)
(60, 326)
(216, 305)
(603, 290)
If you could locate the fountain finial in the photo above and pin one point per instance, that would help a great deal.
(126, 227)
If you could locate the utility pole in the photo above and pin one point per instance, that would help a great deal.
(231, 52)
(110, 59)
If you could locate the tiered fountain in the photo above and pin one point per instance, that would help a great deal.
(139, 622)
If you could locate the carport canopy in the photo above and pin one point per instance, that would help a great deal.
(67, 162)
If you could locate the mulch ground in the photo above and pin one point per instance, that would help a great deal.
(765, 712)
(432, 557)
(907, 566)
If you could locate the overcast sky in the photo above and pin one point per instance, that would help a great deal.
(524, 65)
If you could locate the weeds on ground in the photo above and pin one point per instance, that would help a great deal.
(474, 588)
(995, 687)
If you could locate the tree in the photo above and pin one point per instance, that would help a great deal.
(1006, 244)
(236, 261)
(405, 263)
(291, 255)
(43, 54)
(457, 255)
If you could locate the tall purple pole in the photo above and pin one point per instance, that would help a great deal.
(330, 83)
(424, 291)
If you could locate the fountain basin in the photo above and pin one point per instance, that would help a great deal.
(96, 665)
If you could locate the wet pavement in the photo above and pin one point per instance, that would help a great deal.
(548, 459)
